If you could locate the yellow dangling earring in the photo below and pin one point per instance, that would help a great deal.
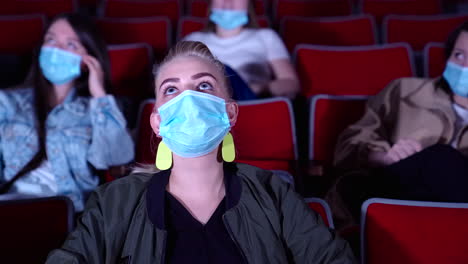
(163, 157)
(228, 151)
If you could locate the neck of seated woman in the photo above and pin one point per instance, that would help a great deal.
(461, 101)
(228, 33)
(198, 184)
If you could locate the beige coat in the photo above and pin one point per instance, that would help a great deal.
(408, 108)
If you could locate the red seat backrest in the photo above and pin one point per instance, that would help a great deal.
(130, 69)
(434, 59)
(339, 31)
(31, 228)
(361, 70)
(381, 8)
(21, 34)
(397, 231)
(306, 8)
(149, 8)
(147, 142)
(50, 8)
(264, 132)
(188, 25)
(329, 116)
(156, 31)
(322, 208)
(420, 30)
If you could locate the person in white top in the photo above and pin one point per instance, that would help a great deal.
(257, 55)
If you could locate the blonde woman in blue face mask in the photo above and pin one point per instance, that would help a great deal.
(62, 126)
(199, 208)
(258, 55)
(413, 137)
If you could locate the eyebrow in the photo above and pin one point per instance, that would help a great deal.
(169, 80)
(194, 77)
(203, 74)
(71, 38)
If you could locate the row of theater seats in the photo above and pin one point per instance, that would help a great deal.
(276, 9)
(22, 33)
(391, 231)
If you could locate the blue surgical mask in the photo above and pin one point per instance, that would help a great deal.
(457, 78)
(194, 123)
(59, 66)
(229, 19)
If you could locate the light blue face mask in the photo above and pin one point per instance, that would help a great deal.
(193, 124)
(457, 78)
(229, 19)
(59, 66)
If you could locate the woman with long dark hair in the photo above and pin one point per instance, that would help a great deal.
(62, 126)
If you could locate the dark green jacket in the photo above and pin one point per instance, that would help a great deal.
(267, 220)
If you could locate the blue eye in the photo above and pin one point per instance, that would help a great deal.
(205, 86)
(49, 41)
(170, 90)
(72, 46)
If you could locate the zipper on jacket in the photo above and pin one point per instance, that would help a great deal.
(163, 253)
(231, 235)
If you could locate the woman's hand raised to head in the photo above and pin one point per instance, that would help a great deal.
(96, 76)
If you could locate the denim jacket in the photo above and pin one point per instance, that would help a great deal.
(82, 134)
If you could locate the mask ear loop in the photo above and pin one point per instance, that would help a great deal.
(163, 157)
(228, 150)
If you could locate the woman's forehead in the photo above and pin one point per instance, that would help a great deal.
(184, 67)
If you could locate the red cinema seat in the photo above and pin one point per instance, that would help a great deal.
(381, 8)
(363, 70)
(188, 25)
(21, 34)
(264, 134)
(156, 31)
(147, 142)
(50, 8)
(413, 232)
(143, 8)
(32, 227)
(322, 208)
(355, 30)
(434, 59)
(419, 30)
(307, 8)
(131, 66)
(329, 116)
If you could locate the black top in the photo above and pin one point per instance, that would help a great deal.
(178, 248)
(189, 241)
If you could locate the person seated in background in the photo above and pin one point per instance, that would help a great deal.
(62, 126)
(413, 138)
(198, 208)
(258, 55)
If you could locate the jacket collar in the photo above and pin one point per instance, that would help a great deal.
(156, 193)
(433, 97)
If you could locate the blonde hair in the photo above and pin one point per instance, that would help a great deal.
(193, 49)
